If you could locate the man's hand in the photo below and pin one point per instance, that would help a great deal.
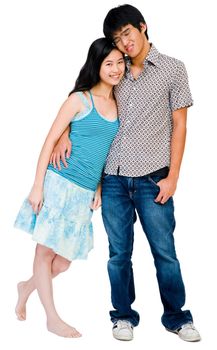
(167, 189)
(168, 185)
(61, 151)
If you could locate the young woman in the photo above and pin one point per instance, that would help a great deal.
(59, 207)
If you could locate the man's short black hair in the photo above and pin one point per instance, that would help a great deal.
(119, 17)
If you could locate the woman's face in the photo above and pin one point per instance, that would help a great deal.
(112, 68)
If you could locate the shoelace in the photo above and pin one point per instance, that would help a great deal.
(122, 324)
(188, 325)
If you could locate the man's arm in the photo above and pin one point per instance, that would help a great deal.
(61, 150)
(168, 185)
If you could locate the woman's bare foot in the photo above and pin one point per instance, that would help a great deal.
(62, 329)
(20, 309)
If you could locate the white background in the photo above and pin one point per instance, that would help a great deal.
(43, 46)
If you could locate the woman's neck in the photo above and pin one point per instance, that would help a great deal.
(102, 90)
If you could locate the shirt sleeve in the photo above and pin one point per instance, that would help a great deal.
(180, 94)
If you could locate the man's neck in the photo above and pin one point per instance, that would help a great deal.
(139, 60)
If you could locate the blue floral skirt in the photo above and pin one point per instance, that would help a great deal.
(64, 222)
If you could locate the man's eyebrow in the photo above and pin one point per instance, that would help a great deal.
(126, 29)
(122, 32)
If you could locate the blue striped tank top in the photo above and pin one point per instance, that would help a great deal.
(91, 136)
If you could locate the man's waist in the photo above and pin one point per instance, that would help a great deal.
(162, 172)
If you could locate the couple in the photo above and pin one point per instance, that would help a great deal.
(141, 171)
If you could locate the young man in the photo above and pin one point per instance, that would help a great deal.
(142, 171)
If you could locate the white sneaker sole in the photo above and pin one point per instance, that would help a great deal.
(123, 337)
(195, 339)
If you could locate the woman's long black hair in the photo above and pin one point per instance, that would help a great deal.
(89, 73)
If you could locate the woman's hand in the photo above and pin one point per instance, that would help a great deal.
(97, 201)
(36, 199)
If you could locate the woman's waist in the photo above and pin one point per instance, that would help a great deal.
(80, 168)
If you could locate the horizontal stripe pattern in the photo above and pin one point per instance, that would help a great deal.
(91, 138)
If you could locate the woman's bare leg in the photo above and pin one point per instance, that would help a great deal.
(43, 281)
(25, 288)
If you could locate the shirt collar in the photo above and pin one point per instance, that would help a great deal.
(153, 56)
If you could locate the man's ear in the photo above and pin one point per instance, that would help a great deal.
(143, 27)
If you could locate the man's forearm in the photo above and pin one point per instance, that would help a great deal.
(65, 134)
(177, 142)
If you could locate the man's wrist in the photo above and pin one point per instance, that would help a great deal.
(173, 175)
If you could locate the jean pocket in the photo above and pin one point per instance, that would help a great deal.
(154, 181)
(105, 176)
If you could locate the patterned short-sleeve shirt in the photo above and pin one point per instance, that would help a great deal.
(145, 107)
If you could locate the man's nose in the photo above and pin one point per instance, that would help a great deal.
(124, 40)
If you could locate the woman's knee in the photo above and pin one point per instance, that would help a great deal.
(60, 264)
(44, 252)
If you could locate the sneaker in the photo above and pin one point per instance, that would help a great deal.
(187, 332)
(122, 330)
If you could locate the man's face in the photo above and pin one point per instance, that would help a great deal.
(130, 40)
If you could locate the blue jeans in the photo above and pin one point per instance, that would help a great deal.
(122, 198)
